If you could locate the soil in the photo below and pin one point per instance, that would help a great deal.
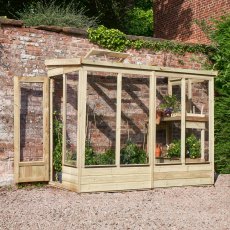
(172, 208)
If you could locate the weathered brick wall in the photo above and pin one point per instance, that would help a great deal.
(22, 53)
(174, 19)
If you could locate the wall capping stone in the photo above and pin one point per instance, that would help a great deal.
(56, 29)
(78, 32)
(75, 31)
(11, 22)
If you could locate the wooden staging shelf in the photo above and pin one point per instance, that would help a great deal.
(188, 118)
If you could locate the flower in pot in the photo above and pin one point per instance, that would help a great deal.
(174, 149)
(169, 105)
(193, 146)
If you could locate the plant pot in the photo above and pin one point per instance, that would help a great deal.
(168, 112)
(159, 115)
(58, 176)
(158, 151)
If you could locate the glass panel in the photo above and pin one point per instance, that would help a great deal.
(168, 120)
(57, 126)
(31, 122)
(134, 119)
(101, 119)
(197, 141)
(70, 157)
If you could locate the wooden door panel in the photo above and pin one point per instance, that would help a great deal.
(31, 129)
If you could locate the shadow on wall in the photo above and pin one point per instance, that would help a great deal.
(31, 122)
(102, 121)
(173, 19)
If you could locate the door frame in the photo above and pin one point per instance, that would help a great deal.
(31, 171)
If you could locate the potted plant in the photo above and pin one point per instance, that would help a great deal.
(193, 147)
(132, 154)
(57, 147)
(94, 158)
(174, 149)
(170, 105)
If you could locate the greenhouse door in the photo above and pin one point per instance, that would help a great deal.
(31, 129)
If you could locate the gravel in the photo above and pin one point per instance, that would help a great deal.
(172, 208)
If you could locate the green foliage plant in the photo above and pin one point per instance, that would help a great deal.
(174, 150)
(51, 13)
(132, 154)
(116, 40)
(89, 154)
(112, 39)
(94, 158)
(220, 36)
(193, 145)
(57, 143)
(222, 133)
(31, 185)
(106, 158)
(170, 102)
(139, 22)
(219, 33)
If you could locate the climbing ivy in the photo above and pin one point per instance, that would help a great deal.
(116, 40)
(112, 39)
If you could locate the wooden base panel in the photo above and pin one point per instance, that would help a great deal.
(69, 176)
(183, 168)
(115, 171)
(115, 179)
(116, 186)
(183, 182)
(182, 175)
(64, 185)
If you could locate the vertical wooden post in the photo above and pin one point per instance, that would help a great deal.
(183, 117)
(118, 119)
(152, 125)
(64, 118)
(46, 127)
(169, 87)
(79, 153)
(17, 106)
(51, 127)
(202, 141)
(190, 95)
(82, 99)
(83, 114)
(211, 124)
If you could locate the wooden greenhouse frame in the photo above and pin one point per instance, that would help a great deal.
(118, 177)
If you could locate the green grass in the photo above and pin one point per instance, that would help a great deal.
(52, 14)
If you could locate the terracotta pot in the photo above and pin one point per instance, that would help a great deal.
(158, 151)
(159, 114)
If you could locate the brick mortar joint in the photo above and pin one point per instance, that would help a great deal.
(6, 158)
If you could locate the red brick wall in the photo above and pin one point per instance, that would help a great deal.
(22, 53)
(174, 19)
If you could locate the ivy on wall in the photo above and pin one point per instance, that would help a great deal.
(116, 40)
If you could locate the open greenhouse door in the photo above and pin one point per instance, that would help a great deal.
(31, 129)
